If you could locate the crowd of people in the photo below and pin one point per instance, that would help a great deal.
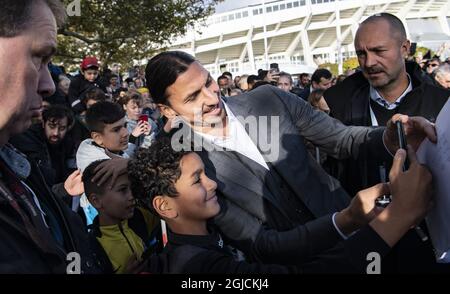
(95, 164)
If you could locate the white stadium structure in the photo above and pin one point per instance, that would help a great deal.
(245, 35)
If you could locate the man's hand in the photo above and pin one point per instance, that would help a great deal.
(110, 170)
(411, 198)
(362, 209)
(412, 189)
(73, 184)
(416, 130)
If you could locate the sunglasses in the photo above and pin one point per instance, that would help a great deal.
(432, 65)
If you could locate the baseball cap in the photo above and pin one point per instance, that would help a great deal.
(89, 62)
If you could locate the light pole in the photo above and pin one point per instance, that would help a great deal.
(266, 54)
(338, 39)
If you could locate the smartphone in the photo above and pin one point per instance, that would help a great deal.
(384, 200)
(412, 49)
(143, 117)
(274, 66)
(402, 141)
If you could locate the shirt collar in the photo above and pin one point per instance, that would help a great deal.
(376, 97)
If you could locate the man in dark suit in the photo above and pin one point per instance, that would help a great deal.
(278, 205)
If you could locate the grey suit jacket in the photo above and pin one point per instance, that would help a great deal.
(247, 200)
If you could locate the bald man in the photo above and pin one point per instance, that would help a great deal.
(386, 85)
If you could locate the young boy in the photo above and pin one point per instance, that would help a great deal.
(174, 185)
(109, 139)
(120, 233)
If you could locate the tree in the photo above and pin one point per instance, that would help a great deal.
(123, 30)
(350, 63)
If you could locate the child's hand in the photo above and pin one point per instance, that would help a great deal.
(74, 184)
(134, 265)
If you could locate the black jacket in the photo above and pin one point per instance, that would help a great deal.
(304, 94)
(78, 88)
(56, 162)
(191, 254)
(19, 253)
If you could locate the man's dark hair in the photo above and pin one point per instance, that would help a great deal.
(16, 15)
(319, 74)
(93, 93)
(154, 171)
(259, 84)
(227, 73)
(103, 113)
(163, 70)
(57, 112)
(394, 22)
(262, 74)
(303, 75)
(222, 77)
(89, 186)
(251, 79)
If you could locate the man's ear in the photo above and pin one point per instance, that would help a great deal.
(95, 201)
(167, 111)
(406, 47)
(98, 138)
(164, 207)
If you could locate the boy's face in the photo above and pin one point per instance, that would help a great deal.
(90, 74)
(114, 136)
(196, 200)
(117, 203)
(133, 109)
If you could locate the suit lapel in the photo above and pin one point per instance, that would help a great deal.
(285, 136)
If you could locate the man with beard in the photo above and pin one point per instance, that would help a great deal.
(48, 145)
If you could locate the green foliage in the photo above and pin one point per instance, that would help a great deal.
(350, 63)
(332, 67)
(424, 51)
(123, 30)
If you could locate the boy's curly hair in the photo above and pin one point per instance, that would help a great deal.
(154, 171)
